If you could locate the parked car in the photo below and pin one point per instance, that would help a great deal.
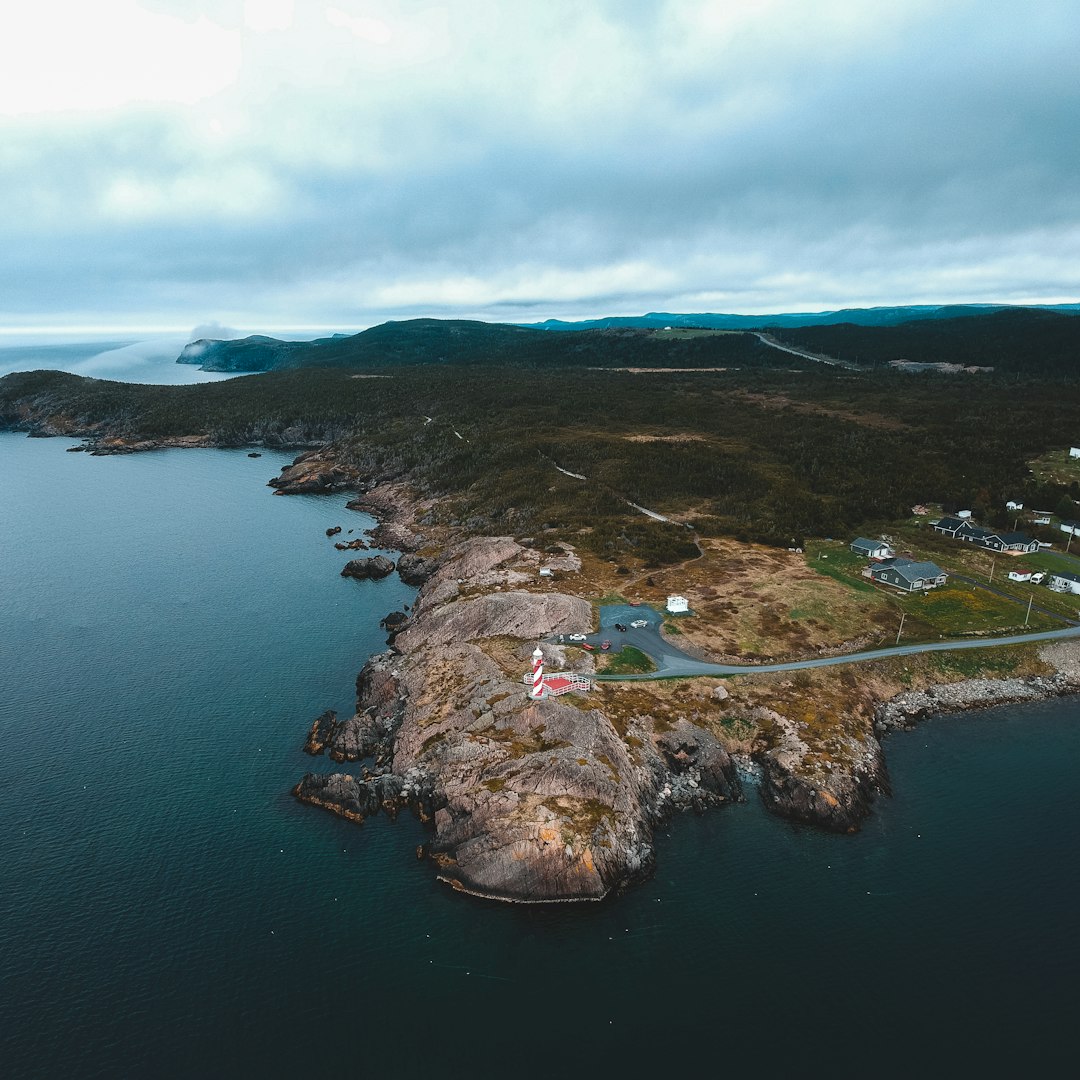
(637, 624)
(576, 637)
(621, 627)
(587, 647)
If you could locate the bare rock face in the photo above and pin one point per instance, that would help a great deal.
(536, 801)
(699, 770)
(479, 562)
(836, 798)
(511, 614)
(313, 473)
(416, 569)
(378, 566)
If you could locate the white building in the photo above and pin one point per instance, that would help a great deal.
(1060, 581)
(678, 605)
(1011, 505)
(963, 514)
(1074, 451)
(1019, 575)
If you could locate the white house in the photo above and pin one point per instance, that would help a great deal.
(1070, 527)
(1020, 575)
(1074, 451)
(1060, 581)
(1011, 505)
(678, 605)
(963, 514)
(1041, 517)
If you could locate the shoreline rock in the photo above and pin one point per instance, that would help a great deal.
(375, 567)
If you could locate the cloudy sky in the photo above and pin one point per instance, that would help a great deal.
(269, 163)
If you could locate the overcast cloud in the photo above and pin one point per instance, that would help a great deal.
(270, 163)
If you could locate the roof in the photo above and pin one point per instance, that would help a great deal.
(951, 523)
(861, 541)
(1015, 538)
(1065, 575)
(910, 570)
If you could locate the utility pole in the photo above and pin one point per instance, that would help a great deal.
(1028, 615)
(1072, 533)
(993, 561)
(903, 616)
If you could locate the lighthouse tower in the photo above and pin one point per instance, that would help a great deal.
(537, 691)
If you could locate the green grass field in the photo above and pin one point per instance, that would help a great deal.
(953, 610)
(627, 661)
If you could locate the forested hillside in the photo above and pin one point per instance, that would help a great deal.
(772, 455)
(1025, 341)
(437, 341)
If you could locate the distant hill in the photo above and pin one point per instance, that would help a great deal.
(445, 341)
(875, 316)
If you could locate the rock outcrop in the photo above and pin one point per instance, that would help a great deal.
(528, 801)
(375, 567)
(415, 569)
(313, 472)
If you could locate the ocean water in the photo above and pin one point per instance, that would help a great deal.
(169, 628)
(151, 360)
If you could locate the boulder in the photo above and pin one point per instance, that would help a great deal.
(378, 566)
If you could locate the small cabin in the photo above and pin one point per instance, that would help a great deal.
(963, 514)
(1074, 451)
(1013, 505)
(678, 605)
(1020, 575)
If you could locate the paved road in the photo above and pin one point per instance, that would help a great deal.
(832, 361)
(672, 662)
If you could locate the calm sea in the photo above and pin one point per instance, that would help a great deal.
(168, 629)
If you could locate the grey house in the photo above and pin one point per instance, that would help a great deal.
(986, 538)
(909, 575)
(871, 549)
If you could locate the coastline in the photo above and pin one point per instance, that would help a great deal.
(557, 802)
(467, 591)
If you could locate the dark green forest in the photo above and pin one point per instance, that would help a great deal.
(463, 342)
(757, 452)
(1024, 341)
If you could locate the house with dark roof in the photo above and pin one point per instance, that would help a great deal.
(909, 575)
(871, 549)
(950, 526)
(986, 538)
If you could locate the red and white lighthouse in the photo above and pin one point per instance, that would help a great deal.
(537, 691)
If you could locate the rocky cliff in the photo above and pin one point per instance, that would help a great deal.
(528, 801)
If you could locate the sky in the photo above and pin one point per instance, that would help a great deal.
(263, 164)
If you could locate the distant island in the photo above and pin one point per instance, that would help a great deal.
(546, 488)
